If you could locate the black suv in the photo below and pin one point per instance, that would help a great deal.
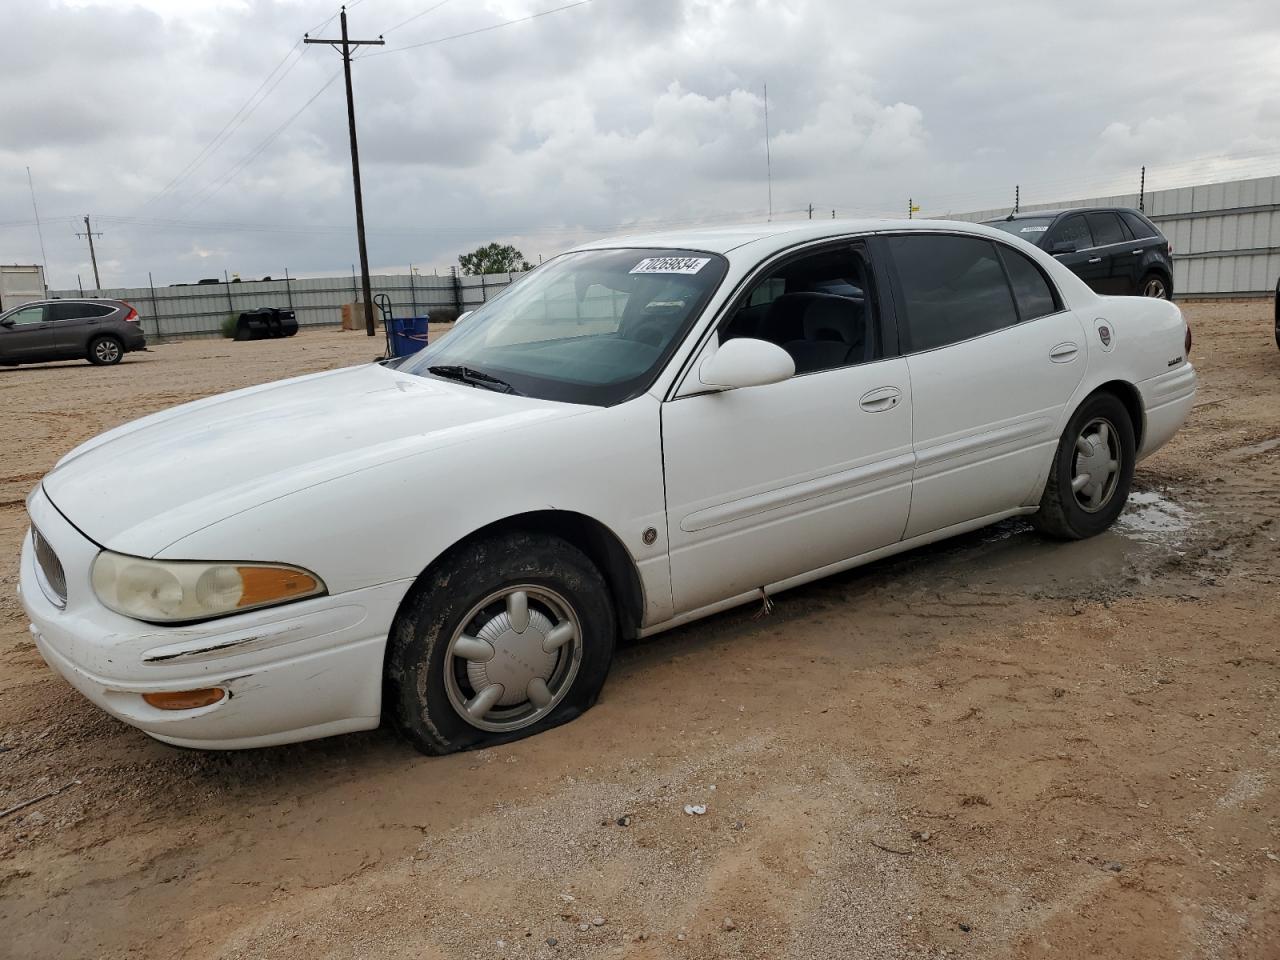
(100, 331)
(1114, 250)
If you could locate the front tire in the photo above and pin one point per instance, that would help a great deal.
(1092, 471)
(503, 638)
(105, 351)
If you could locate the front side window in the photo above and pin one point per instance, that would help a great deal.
(590, 327)
(953, 289)
(820, 308)
(1106, 229)
(1031, 291)
(1073, 230)
(25, 316)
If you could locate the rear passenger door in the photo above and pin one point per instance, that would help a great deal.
(1080, 256)
(993, 357)
(75, 323)
(1113, 242)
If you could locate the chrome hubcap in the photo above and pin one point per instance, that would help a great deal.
(1154, 288)
(513, 658)
(107, 350)
(1095, 469)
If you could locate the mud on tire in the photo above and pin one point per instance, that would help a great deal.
(1062, 513)
(416, 698)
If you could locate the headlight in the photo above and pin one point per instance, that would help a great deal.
(177, 591)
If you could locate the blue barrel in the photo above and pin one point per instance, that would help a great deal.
(408, 335)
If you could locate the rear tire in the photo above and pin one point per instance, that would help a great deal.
(105, 351)
(482, 618)
(1155, 285)
(1092, 471)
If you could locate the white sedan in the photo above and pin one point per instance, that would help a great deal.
(639, 433)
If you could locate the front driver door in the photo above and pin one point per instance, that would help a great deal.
(771, 482)
(26, 336)
(1086, 261)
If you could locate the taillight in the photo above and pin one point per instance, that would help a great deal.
(1186, 342)
(132, 316)
(1170, 249)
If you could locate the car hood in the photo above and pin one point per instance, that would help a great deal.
(143, 486)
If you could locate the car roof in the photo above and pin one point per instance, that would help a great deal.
(1057, 212)
(100, 300)
(777, 235)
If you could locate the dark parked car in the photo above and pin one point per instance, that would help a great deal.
(100, 331)
(1114, 250)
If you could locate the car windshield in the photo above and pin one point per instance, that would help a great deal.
(590, 327)
(1030, 229)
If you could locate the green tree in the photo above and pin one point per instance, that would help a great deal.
(493, 258)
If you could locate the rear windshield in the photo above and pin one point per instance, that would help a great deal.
(1030, 229)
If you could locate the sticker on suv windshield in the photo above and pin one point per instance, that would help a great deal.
(1033, 229)
(671, 265)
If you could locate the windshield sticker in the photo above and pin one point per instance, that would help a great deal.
(1033, 229)
(671, 265)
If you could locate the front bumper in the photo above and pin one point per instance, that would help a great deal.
(296, 672)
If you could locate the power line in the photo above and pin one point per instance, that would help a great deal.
(217, 184)
(229, 128)
(472, 33)
(422, 13)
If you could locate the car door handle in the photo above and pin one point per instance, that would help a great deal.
(1064, 352)
(1139, 250)
(880, 399)
(1095, 259)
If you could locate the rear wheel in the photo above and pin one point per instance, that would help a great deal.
(1092, 471)
(1154, 285)
(104, 351)
(506, 637)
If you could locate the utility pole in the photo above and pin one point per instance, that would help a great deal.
(811, 211)
(345, 50)
(88, 232)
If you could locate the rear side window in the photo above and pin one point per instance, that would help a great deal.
(1106, 229)
(78, 311)
(1031, 290)
(1141, 229)
(1072, 230)
(953, 289)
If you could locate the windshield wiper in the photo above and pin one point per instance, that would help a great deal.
(476, 378)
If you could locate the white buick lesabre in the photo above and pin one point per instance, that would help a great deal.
(639, 433)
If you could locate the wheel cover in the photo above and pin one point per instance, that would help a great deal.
(1096, 465)
(106, 350)
(1154, 287)
(513, 658)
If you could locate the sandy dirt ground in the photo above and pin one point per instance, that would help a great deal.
(999, 747)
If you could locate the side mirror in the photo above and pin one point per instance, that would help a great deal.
(1061, 247)
(6, 322)
(746, 362)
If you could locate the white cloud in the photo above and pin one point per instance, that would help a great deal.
(570, 125)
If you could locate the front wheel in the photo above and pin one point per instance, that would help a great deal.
(1092, 471)
(506, 637)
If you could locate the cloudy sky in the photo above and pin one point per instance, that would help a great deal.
(155, 116)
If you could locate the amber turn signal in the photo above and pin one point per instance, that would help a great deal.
(185, 699)
(262, 585)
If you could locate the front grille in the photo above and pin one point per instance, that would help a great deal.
(53, 579)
